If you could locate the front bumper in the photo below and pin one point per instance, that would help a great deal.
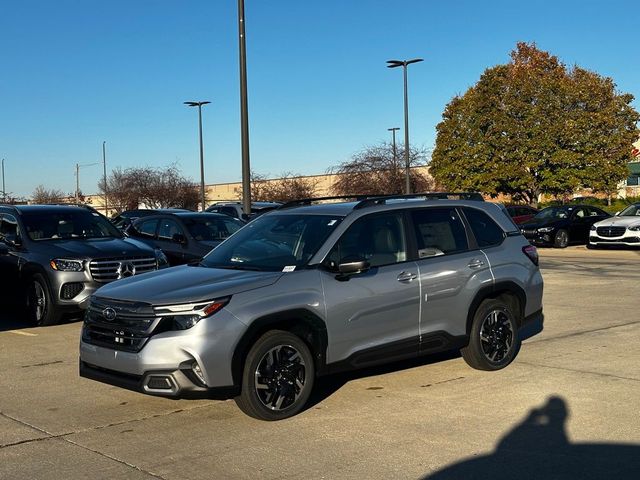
(171, 356)
(629, 239)
(540, 239)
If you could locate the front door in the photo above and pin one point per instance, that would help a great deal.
(372, 316)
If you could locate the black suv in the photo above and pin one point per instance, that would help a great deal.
(56, 256)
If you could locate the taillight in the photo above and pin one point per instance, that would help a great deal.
(531, 252)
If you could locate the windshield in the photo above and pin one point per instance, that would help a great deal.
(554, 213)
(273, 243)
(68, 225)
(212, 230)
(630, 211)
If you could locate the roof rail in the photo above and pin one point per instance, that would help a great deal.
(308, 201)
(382, 199)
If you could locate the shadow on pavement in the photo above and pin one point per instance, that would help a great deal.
(327, 385)
(538, 448)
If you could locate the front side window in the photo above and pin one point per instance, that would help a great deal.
(378, 239)
(273, 243)
(56, 225)
(439, 231)
(486, 231)
(212, 230)
(146, 228)
(168, 228)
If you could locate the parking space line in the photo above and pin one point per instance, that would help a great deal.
(26, 334)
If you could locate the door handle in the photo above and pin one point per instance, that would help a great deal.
(475, 263)
(406, 277)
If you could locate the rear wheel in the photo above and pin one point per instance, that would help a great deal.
(278, 377)
(493, 340)
(561, 239)
(40, 307)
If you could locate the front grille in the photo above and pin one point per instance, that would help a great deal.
(105, 270)
(610, 231)
(119, 325)
(70, 290)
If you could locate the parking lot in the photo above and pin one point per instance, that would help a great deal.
(568, 407)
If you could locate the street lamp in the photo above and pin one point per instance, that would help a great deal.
(104, 170)
(404, 64)
(393, 133)
(199, 105)
(244, 113)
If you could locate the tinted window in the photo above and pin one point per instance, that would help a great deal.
(212, 229)
(439, 231)
(486, 231)
(231, 211)
(378, 239)
(146, 228)
(54, 225)
(8, 226)
(168, 228)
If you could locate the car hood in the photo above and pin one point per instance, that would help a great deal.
(186, 284)
(627, 221)
(97, 248)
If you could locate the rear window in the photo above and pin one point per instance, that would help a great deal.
(486, 231)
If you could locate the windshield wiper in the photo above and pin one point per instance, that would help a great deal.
(236, 267)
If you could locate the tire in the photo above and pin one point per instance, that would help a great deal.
(561, 239)
(41, 309)
(275, 395)
(493, 340)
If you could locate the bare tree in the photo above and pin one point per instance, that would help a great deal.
(42, 195)
(152, 187)
(283, 189)
(380, 170)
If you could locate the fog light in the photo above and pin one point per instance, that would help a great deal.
(198, 372)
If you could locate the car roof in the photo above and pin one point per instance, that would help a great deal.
(186, 215)
(51, 208)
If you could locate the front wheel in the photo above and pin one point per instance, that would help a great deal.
(278, 377)
(40, 307)
(561, 239)
(493, 340)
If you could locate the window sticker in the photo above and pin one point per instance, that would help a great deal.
(289, 268)
(331, 223)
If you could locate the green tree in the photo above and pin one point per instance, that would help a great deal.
(534, 126)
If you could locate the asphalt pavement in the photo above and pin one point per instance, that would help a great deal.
(568, 407)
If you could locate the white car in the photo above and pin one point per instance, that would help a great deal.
(623, 229)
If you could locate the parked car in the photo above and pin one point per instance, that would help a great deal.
(235, 210)
(55, 257)
(623, 229)
(184, 237)
(561, 225)
(521, 213)
(310, 290)
(123, 220)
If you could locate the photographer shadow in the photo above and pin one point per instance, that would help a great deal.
(538, 448)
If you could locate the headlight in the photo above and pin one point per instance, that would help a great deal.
(635, 228)
(186, 315)
(161, 259)
(546, 229)
(64, 265)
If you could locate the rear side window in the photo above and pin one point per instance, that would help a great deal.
(486, 231)
(439, 231)
(169, 228)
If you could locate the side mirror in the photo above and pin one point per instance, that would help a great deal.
(349, 266)
(179, 238)
(13, 240)
(4, 250)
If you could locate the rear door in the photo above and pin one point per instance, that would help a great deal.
(452, 269)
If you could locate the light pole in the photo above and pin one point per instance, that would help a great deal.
(393, 141)
(199, 105)
(78, 177)
(404, 64)
(244, 113)
(4, 192)
(104, 170)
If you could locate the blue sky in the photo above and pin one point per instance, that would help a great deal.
(75, 73)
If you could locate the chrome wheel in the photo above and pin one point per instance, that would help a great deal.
(496, 335)
(38, 301)
(280, 377)
(562, 239)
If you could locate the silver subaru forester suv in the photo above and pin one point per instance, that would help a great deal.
(312, 289)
